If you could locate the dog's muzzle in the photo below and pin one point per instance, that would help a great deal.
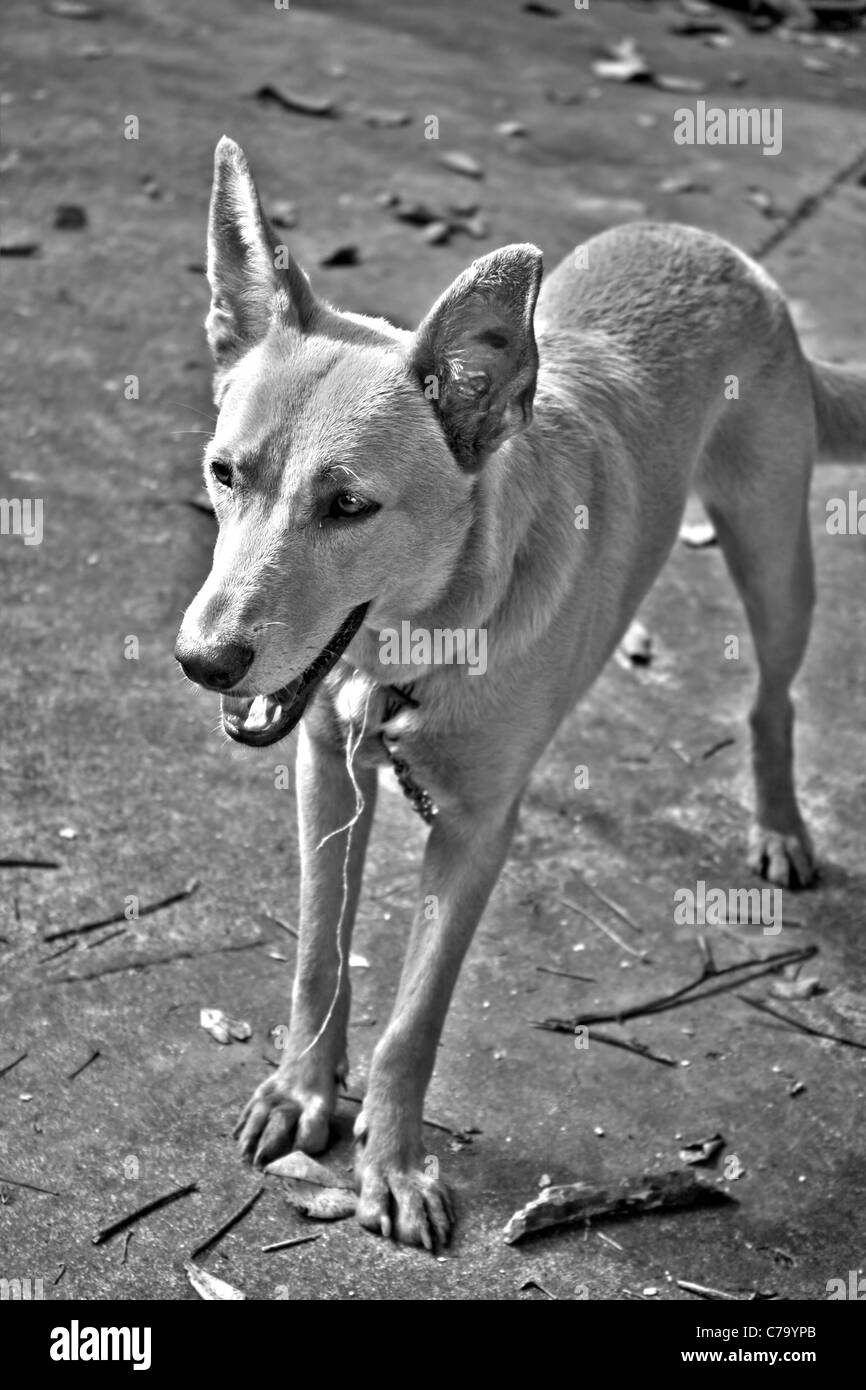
(263, 719)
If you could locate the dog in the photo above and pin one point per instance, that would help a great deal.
(517, 466)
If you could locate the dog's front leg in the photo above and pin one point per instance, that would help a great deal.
(399, 1195)
(296, 1104)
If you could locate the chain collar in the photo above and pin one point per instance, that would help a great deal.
(397, 697)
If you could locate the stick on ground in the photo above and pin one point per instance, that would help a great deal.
(121, 916)
(287, 1244)
(579, 1202)
(13, 1063)
(686, 993)
(801, 1027)
(121, 1224)
(227, 1225)
(19, 1182)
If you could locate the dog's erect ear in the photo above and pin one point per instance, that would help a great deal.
(252, 277)
(475, 354)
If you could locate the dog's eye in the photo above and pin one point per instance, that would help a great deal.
(349, 504)
(222, 472)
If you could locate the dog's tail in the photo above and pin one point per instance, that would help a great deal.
(839, 394)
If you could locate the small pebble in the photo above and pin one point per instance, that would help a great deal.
(669, 83)
(69, 217)
(73, 9)
(460, 163)
(437, 233)
(386, 119)
(341, 255)
(283, 213)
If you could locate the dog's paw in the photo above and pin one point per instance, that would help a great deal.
(787, 860)
(282, 1114)
(406, 1203)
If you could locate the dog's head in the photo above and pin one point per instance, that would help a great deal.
(341, 467)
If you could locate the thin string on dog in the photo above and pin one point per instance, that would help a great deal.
(351, 749)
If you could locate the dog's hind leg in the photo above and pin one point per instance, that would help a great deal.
(294, 1107)
(757, 499)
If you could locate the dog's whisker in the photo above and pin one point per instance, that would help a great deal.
(203, 413)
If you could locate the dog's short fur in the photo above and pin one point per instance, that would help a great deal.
(478, 436)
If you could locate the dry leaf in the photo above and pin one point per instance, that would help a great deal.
(702, 1150)
(321, 1203)
(300, 1167)
(211, 1289)
(222, 1028)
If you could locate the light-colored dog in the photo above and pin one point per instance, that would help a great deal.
(365, 477)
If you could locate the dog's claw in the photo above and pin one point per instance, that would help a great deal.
(279, 1116)
(786, 860)
(422, 1206)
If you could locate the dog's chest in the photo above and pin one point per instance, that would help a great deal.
(384, 723)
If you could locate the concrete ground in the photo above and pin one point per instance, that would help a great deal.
(111, 768)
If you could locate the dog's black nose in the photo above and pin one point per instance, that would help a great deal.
(218, 667)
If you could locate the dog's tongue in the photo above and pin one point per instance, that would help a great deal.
(264, 718)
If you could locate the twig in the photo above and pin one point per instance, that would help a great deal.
(185, 954)
(78, 1070)
(28, 864)
(608, 1241)
(566, 974)
(278, 922)
(640, 1048)
(614, 907)
(703, 1292)
(463, 1135)
(60, 1273)
(70, 946)
(286, 1244)
(120, 916)
(801, 1027)
(100, 941)
(534, 1284)
(106, 1232)
(13, 1063)
(127, 1239)
(717, 748)
(685, 995)
(389, 892)
(19, 1182)
(580, 1202)
(608, 931)
(706, 951)
(227, 1225)
(678, 753)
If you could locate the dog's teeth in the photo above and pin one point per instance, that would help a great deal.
(261, 712)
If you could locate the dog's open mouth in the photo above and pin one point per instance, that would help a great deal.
(263, 719)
